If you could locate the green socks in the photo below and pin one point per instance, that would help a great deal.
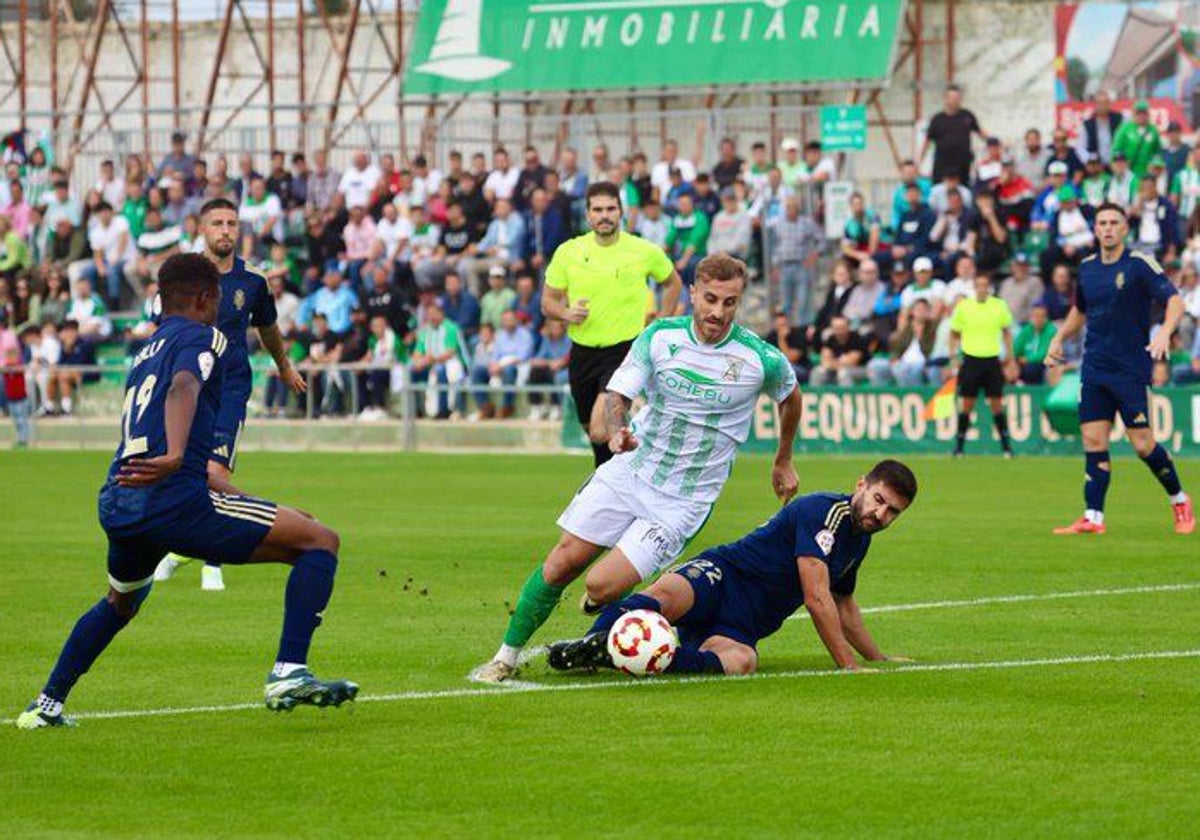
(538, 599)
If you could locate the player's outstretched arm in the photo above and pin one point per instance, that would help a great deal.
(272, 339)
(856, 631)
(814, 580)
(179, 412)
(784, 480)
(616, 422)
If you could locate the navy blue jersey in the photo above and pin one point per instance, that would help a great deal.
(178, 345)
(246, 302)
(1117, 298)
(817, 525)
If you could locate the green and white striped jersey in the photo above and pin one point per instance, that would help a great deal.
(700, 402)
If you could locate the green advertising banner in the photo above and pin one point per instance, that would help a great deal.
(891, 420)
(464, 46)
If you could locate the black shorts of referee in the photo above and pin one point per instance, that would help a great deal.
(977, 373)
(588, 372)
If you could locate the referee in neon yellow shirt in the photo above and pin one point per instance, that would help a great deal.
(979, 324)
(597, 284)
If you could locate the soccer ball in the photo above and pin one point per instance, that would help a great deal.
(642, 642)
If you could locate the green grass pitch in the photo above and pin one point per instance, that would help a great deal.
(1059, 724)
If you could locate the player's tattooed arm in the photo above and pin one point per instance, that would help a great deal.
(272, 339)
(616, 422)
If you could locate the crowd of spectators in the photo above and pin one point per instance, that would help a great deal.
(434, 269)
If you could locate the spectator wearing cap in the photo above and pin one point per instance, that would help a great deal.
(731, 227)
(503, 245)
(1071, 235)
(1046, 204)
(177, 159)
(1175, 152)
(862, 234)
(792, 166)
(939, 195)
(1061, 152)
(1021, 289)
(498, 299)
(1093, 189)
(924, 287)
(1138, 139)
(913, 228)
(950, 133)
(660, 175)
(1099, 130)
(1030, 163)
(1154, 222)
(60, 202)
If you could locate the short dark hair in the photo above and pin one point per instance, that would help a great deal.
(217, 204)
(1114, 207)
(183, 276)
(602, 188)
(721, 267)
(896, 476)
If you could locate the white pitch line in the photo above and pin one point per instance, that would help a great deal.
(534, 688)
(1021, 599)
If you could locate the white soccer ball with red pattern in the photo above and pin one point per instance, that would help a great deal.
(642, 642)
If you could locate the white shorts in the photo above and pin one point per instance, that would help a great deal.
(616, 509)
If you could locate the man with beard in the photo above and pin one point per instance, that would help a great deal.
(246, 301)
(597, 284)
(701, 376)
(732, 596)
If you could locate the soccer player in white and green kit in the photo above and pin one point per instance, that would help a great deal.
(701, 376)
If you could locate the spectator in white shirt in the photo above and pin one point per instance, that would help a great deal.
(731, 229)
(112, 248)
(817, 168)
(287, 305)
(924, 287)
(261, 219)
(111, 187)
(359, 182)
(392, 235)
(660, 175)
(425, 181)
(652, 225)
(502, 180)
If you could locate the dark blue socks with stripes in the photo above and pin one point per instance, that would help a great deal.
(308, 589)
(1095, 486)
(609, 615)
(688, 660)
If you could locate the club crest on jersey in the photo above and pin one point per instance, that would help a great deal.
(733, 369)
(205, 362)
(824, 541)
(1120, 279)
(239, 299)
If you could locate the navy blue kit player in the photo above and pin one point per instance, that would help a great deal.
(1116, 291)
(159, 497)
(731, 596)
(246, 302)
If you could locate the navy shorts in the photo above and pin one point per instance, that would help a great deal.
(723, 606)
(1103, 399)
(217, 528)
(231, 420)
